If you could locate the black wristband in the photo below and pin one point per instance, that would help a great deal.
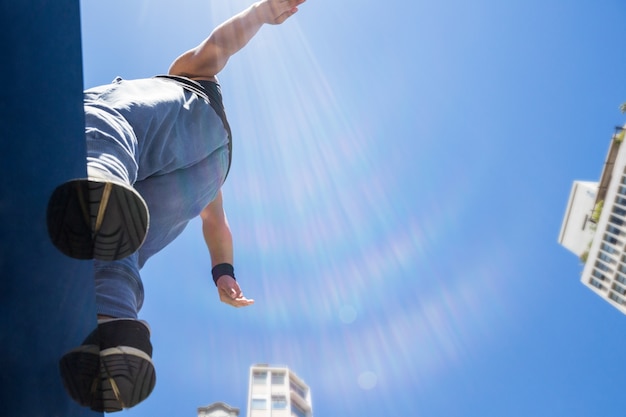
(222, 269)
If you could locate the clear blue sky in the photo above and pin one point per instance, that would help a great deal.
(399, 178)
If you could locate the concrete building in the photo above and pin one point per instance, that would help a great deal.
(594, 227)
(275, 391)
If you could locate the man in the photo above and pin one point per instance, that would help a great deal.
(158, 152)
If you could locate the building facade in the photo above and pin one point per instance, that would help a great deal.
(275, 391)
(594, 227)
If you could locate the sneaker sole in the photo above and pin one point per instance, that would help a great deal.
(80, 373)
(127, 378)
(94, 219)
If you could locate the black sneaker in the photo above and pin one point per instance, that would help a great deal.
(93, 218)
(120, 376)
(126, 370)
(80, 372)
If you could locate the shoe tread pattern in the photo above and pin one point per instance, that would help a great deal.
(80, 371)
(72, 216)
(126, 380)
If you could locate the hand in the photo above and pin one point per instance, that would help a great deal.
(275, 12)
(230, 293)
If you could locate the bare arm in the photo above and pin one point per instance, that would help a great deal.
(219, 241)
(209, 58)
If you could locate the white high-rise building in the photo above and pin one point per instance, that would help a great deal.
(275, 391)
(594, 227)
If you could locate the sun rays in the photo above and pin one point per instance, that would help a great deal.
(340, 224)
(341, 254)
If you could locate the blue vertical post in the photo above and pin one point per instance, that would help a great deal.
(46, 299)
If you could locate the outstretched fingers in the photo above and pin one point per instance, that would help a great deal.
(284, 9)
(230, 293)
(239, 301)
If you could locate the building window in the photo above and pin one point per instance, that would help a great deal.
(616, 298)
(619, 211)
(598, 275)
(620, 200)
(606, 258)
(619, 289)
(601, 266)
(296, 411)
(621, 278)
(259, 377)
(612, 229)
(279, 402)
(295, 387)
(596, 284)
(259, 404)
(609, 249)
(278, 378)
(612, 240)
(622, 268)
(616, 220)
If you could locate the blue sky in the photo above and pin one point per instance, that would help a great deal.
(399, 178)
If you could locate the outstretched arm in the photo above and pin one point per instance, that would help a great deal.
(209, 58)
(219, 240)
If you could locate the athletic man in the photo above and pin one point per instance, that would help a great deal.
(158, 152)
